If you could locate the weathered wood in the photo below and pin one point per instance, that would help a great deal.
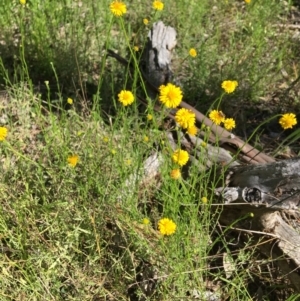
(268, 187)
(157, 55)
(275, 185)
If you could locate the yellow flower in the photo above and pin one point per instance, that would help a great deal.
(229, 124)
(229, 85)
(105, 139)
(170, 95)
(128, 162)
(149, 117)
(73, 160)
(185, 118)
(113, 151)
(145, 21)
(247, 1)
(287, 121)
(166, 226)
(136, 48)
(146, 139)
(70, 101)
(3, 133)
(193, 52)
(23, 2)
(118, 8)
(180, 157)
(126, 97)
(192, 130)
(175, 174)
(146, 221)
(204, 200)
(216, 116)
(158, 5)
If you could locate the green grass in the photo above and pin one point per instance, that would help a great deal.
(77, 233)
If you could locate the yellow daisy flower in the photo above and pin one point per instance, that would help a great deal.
(146, 221)
(128, 162)
(203, 144)
(229, 124)
(158, 5)
(126, 98)
(204, 200)
(192, 130)
(146, 139)
(287, 121)
(146, 21)
(180, 157)
(170, 95)
(105, 139)
(175, 174)
(23, 2)
(193, 52)
(73, 160)
(185, 118)
(149, 117)
(229, 85)
(118, 8)
(70, 101)
(247, 1)
(216, 116)
(166, 226)
(136, 48)
(3, 133)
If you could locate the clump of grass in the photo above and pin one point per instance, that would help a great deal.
(72, 225)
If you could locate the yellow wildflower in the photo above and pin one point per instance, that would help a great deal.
(70, 101)
(185, 118)
(180, 157)
(158, 5)
(145, 21)
(288, 120)
(204, 200)
(229, 124)
(126, 97)
(3, 133)
(146, 221)
(216, 116)
(149, 117)
(113, 151)
(118, 8)
(128, 162)
(23, 2)
(146, 139)
(170, 95)
(229, 85)
(105, 139)
(175, 174)
(136, 48)
(166, 226)
(247, 1)
(73, 160)
(192, 130)
(193, 52)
